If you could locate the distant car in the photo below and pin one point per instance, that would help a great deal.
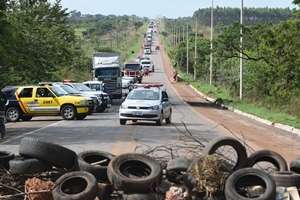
(147, 65)
(147, 102)
(157, 48)
(3, 103)
(105, 100)
(127, 81)
(95, 85)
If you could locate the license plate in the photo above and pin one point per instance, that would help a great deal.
(139, 113)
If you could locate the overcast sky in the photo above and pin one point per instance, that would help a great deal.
(154, 8)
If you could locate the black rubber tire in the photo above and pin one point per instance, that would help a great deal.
(149, 196)
(250, 177)
(267, 156)
(147, 170)
(26, 118)
(169, 119)
(99, 171)
(160, 121)
(16, 110)
(75, 186)
(286, 179)
(176, 168)
(21, 165)
(295, 166)
(5, 157)
(63, 110)
(53, 154)
(81, 116)
(122, 122)
(240, 149)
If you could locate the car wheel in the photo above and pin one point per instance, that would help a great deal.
(81, 116)
(26, 118)
(169, 119)
(68, 112)
(13, 114)
(160, 121)
(122, 121)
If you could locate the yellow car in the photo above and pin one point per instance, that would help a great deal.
(46, 101)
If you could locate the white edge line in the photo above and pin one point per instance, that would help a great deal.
(31, 132)
(261, 120)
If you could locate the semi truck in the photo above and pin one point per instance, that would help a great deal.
(107, 68)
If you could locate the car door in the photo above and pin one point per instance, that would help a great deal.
(26, 101)
(47, 104)
(166, 104)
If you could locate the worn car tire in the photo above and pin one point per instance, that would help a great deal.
(66, 112)
(169, 119)
(295, 166)
(21, 165)
(249, 177)
(149, 196)
(286, 179)
(134, 173)
(99, 171)
(267, 156)
(13, 111)
(75, 186)
(240, 149)
(176, 168)
(53, 154)
(5, 157)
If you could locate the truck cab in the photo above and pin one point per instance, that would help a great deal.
(134, 70)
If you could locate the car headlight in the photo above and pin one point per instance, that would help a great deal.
(123, 106)
(155, 107)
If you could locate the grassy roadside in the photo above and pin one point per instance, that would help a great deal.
(273, 115)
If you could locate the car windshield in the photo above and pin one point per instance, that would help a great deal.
(143, 95)
(69, 89)
(58, 91)
(82, 87)
(95, 86)
(146, 63)
(107, 72)
(134, 67)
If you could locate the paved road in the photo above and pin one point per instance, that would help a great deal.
(103, 132)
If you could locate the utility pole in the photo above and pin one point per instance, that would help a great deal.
(195, 64)
(241, 51)
(211, 41)
(187, 48)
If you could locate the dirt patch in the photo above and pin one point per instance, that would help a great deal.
(256, 134)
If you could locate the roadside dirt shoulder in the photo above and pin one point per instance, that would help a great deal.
(256, 134)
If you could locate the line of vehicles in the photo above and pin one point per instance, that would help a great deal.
(73, 100)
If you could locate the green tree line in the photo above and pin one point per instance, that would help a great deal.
(271, 55)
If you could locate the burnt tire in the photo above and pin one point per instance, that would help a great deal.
(267, 156)
(177, 168)
(149, 196)
(295, 166)
(286, 179)
(76, 186)
(53, 154)
(5, 157)
(86, 158)
(240, 149)
(248, 177)
(21, 165)
(134, 173)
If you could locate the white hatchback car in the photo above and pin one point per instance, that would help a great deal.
(147, 103)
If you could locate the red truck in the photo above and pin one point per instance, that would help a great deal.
(134, 70)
